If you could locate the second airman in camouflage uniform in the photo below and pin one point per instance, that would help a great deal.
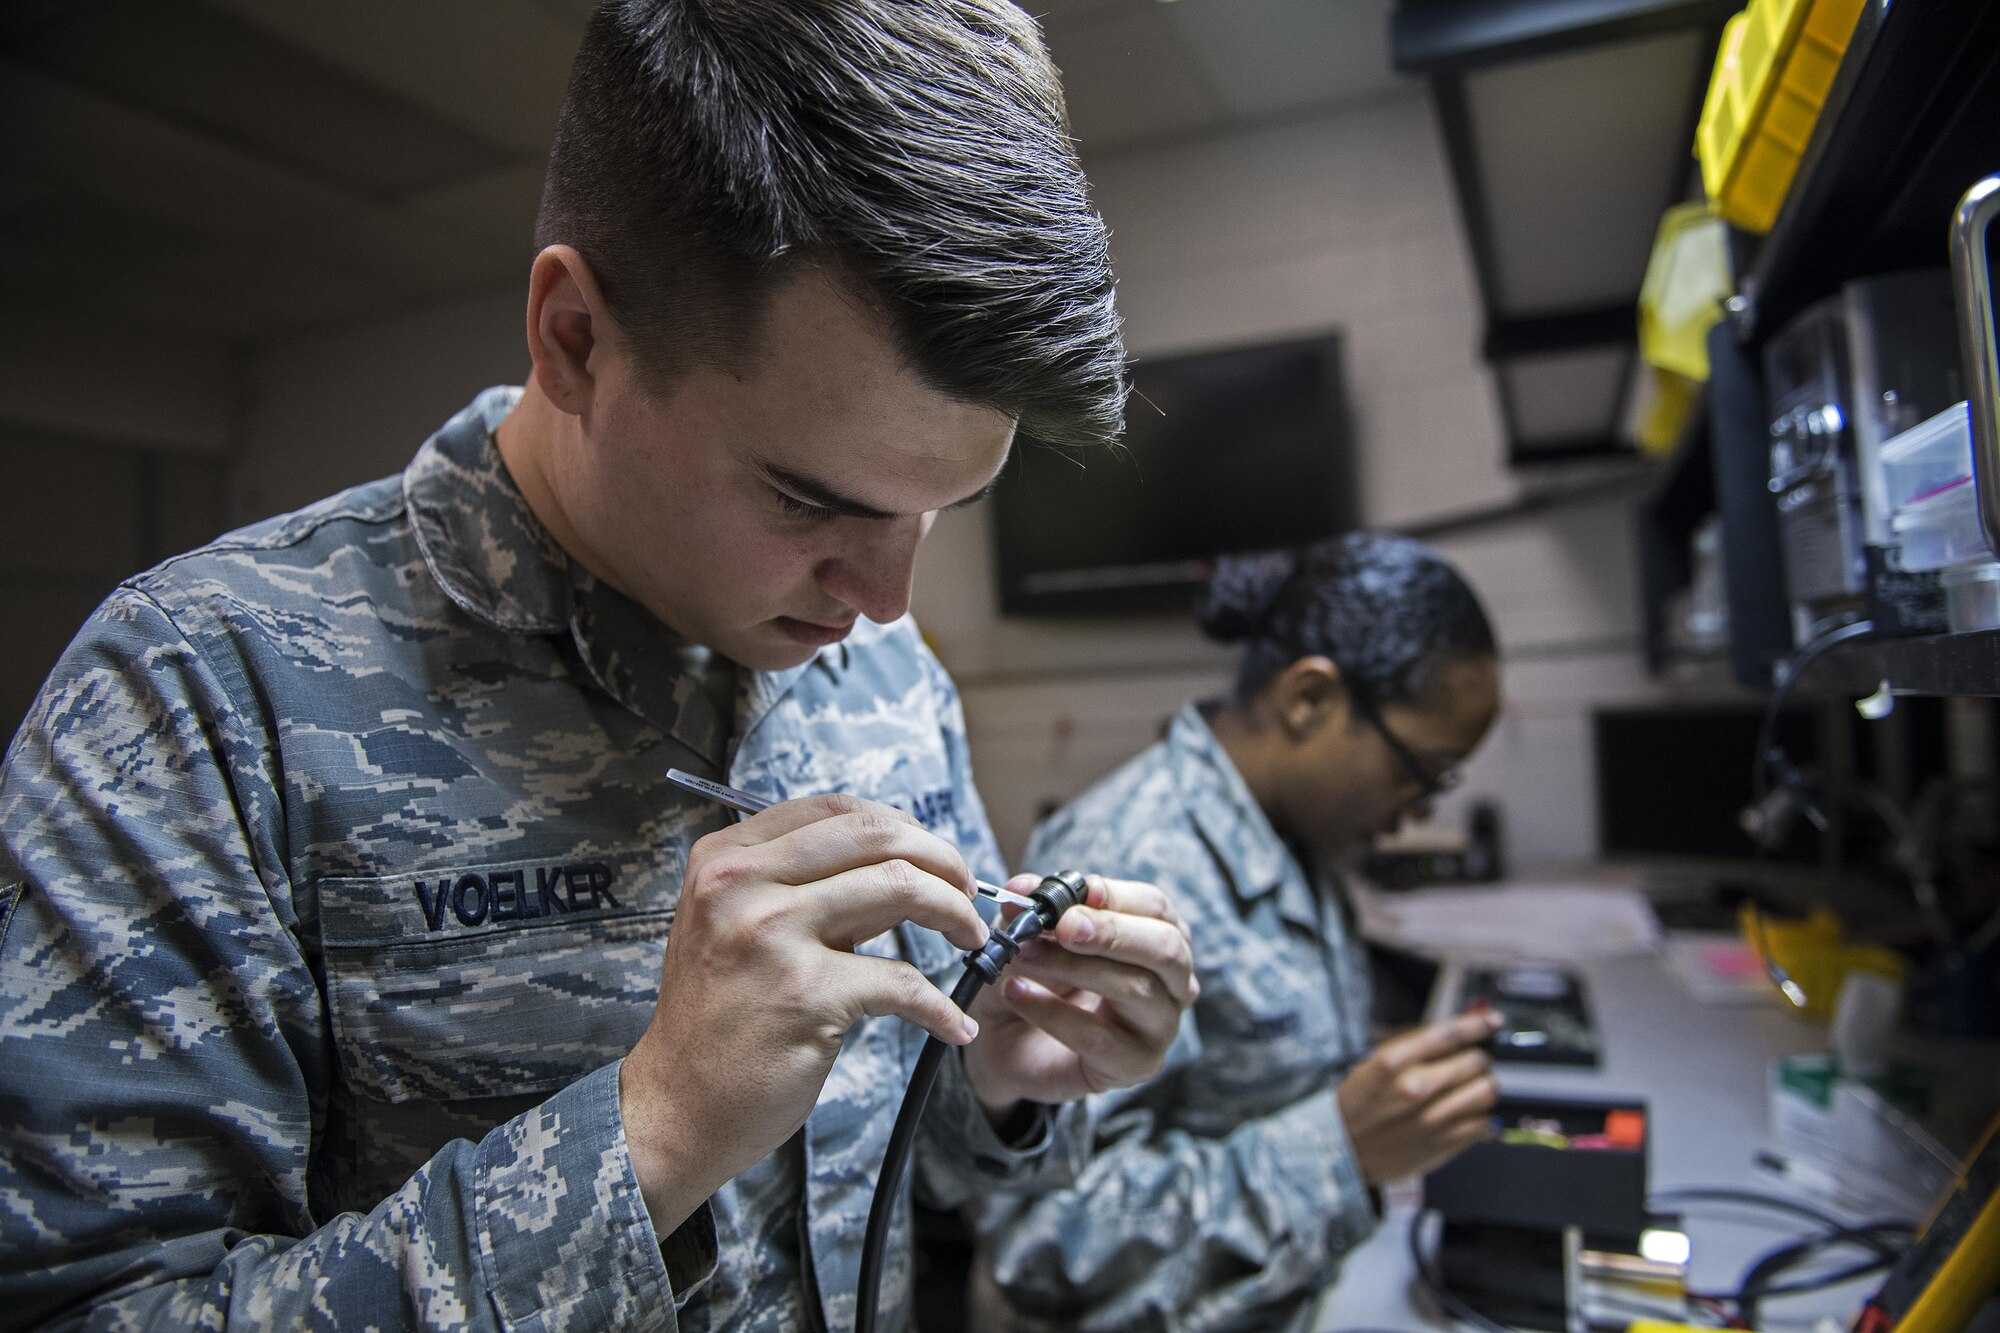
(1224, 1193)
(1225, 1188)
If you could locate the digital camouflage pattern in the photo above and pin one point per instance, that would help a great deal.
(337, 863)
(1223, 1193)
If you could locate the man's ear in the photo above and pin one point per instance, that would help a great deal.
(569, 328)
(1308, 694)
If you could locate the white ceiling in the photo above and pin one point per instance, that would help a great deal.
(237, 168)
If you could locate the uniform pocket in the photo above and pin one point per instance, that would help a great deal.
(481, 994)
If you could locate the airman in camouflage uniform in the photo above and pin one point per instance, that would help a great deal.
(1224, 1194)
(359, 968)
(340, 859)
(339, 862)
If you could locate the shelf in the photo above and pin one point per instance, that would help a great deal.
(1908, 127)
(1942, 664)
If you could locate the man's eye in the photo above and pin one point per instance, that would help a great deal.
(800, 509)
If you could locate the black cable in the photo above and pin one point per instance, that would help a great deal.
(1760, 1280)
(1430, 1281)
(1777, 1203)
(1795, 667)
(1760, 786)
(1053, 896)
(1825, 1280)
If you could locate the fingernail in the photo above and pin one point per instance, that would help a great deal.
(971, 1027)
(1083, 931)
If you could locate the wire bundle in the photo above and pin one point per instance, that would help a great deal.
(1884, 1240)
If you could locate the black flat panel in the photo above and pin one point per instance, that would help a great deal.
(1224, 452)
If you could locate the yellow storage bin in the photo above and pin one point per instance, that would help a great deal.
(1815, 953)
(1776, 63)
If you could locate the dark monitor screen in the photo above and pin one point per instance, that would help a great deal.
(1671, 782)
(1240, 450)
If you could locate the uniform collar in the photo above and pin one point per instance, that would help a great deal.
(1235, 827)
(496, 561)
(485, 547)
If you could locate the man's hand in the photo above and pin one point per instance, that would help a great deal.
(1093, 1006)
(761, 983)
(1420, 1099)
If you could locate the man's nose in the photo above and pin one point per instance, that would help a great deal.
(873, 573)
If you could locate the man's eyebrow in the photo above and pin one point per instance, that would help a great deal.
(977, 495)
(821, 496)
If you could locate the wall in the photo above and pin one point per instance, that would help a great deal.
(76, 516)
(353, 402)
(111, 444)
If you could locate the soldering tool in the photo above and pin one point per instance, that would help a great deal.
(744, 803)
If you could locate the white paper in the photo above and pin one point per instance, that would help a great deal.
(1559, 921)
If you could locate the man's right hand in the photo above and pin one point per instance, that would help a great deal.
(761, 983)
(1420, 1099)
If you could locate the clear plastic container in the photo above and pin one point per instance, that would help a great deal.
(1941, 528)
(1927, 457)
(1972, 595)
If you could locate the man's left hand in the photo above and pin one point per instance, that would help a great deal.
(1092, 1006)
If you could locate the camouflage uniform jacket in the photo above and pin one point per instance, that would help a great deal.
(1223, 1193)
(336, 869)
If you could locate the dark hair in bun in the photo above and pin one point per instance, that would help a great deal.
(1389, 611)
(1240, 593)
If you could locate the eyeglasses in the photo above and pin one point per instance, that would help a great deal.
(1430, 785)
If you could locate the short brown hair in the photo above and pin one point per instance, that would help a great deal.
(919, 149)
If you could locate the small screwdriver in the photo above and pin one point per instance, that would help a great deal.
(744, 803)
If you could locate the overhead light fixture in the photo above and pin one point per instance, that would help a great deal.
(1568, 127)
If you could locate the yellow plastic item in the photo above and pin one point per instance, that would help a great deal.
(1814, 951)
(1687, 280)
(1667, 403)
(1772, 74)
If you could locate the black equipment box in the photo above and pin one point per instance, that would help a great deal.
(1554, 1162)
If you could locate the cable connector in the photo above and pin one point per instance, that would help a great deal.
(1055, 895)
(1058, 893)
